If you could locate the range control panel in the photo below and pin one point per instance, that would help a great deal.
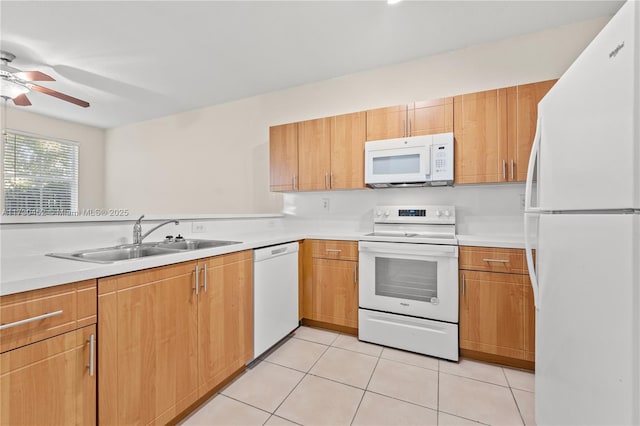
(415, 214)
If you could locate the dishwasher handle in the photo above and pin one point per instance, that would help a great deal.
(271, 252)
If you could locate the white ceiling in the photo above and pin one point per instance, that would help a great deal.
(135, 61)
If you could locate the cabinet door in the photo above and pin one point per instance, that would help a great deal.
(335, 292)
(480, 132)
(148, 345)
(348, 134)
(283, 157)
(225, 318)
(529, 322)
(387, 123)
(492, 313)
(523, 115)
(48, 382)
(314, 154)
(431, 117)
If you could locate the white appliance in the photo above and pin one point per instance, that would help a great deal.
(408, 292)
(413, 161)
(275, 295)
(583, 217)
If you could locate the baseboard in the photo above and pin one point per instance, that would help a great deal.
(497, 359)
(329, 326)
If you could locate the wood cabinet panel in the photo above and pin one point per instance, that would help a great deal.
(386, 123)
(225, 318)
(305, 286)
(334, 249)
(492, 313)
(491, 259)
(283, 157)
(431, 117)
(529, 322)
(348, 135)
(51, 373)
(314, 154)
(77, 301)
(480, 135)
(335, 292)
(522, 118)
(148, 345)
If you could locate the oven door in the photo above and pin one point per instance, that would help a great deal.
(420, 280)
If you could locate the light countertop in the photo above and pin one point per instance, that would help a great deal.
(19, 274)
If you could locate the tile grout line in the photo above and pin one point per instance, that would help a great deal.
(462, 417)
(474, 379)
(365, 388)
(514, 397)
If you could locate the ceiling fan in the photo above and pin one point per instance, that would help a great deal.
(15, 84)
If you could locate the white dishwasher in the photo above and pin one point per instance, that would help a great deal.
(275, 295)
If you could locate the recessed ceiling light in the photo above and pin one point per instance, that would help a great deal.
(393, 1)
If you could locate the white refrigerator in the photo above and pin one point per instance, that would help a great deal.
(583, 218)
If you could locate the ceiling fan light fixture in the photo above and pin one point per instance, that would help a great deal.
(11, 89)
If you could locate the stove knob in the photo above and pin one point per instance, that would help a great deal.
(386, 213)
(438, 213)
(447, 213)
(379, 213)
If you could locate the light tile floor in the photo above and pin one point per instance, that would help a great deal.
(318, 377)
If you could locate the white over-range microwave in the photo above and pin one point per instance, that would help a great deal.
(414, 161)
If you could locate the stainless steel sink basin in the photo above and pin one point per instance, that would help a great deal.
(136, 251)
(194, 244)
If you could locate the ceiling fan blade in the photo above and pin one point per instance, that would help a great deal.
(21, 100)
(33, 76)
(59, 95)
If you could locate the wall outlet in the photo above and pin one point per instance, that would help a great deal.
(325, 204)
(521, 202)
(197, 227)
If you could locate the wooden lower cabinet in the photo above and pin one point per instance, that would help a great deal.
(225, 318)
(335, 292)
(329, 283)
(164, 342)
(497, 316)
(48, 382)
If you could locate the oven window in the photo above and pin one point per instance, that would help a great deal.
(396, 164)
(406, 279)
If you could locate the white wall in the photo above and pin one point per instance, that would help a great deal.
(215, 159)
(91, 166)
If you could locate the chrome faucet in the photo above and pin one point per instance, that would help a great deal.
(138, 236)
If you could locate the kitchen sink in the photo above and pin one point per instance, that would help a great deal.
(194, 244)
(136, 251)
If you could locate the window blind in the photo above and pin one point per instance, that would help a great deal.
(40, 175)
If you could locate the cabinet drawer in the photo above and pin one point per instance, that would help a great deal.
(490, 259)
(330, 249)
(35, 315)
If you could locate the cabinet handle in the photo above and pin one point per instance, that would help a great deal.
(197, 280)
(512, 169)
(334, 251)
(32, 319)
(496, 260)
(295, 183)
(404, 128)
(326, 181)
(355, 274)
(204, 272)
(409, 133)
(464, 288)
(92, 350)
(504, 169)
(331, 181)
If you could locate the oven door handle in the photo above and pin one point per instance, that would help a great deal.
(420, 250)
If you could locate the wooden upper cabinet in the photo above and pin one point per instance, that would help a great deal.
(314, 154)
(431, 117)
(480, 132)
(387, 123)
(283, 157)
(348, 135)
(522, 118)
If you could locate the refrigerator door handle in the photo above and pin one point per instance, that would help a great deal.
(533, 158)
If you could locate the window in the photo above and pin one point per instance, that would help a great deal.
(40, 175)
